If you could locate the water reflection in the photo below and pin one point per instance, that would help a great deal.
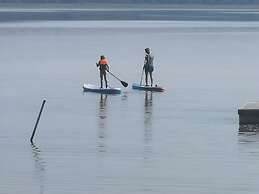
(40, 166)
(248, 145)
(148, 110)
(102, 117)
(249, 137)
(124, 96)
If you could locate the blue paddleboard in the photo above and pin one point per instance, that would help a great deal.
(147, 88)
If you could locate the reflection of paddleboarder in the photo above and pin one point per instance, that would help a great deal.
(148, 125)
(148, 66)
(103, 67)
(148, 99)
(102, 107)
(148, 108)
(102, 123)
(148, 104)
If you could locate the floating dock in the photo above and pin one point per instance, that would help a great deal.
(249, 117)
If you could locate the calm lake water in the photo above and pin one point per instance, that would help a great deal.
(182, 141)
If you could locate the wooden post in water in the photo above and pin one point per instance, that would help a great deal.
(38, 119)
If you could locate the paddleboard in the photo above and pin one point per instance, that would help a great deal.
(93, 88)
(147, 88)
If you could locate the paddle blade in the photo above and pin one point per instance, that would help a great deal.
(125, 84)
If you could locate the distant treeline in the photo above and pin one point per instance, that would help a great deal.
(138, 1)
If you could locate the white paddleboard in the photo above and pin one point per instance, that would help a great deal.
(93, 88)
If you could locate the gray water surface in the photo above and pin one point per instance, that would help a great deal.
(184, 140)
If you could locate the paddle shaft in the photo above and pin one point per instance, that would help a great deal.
(141, 77)
(38, 119)
(114, 75)
(125, 84)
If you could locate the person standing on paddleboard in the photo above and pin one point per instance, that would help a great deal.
(148, 66)
(103, 67)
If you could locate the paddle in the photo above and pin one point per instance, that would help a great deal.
(125, 84)
(141, 77)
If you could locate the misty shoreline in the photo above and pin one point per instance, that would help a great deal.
(96, 11)
(126, 6)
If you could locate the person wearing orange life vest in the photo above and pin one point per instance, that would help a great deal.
(103, 67)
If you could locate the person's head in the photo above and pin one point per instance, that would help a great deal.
(147, 50)
(102, 57)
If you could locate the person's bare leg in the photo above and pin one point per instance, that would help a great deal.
(101, 78)
(105, 79)
(151, 78)
(146, 78)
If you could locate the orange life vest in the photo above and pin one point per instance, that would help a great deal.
(103, 62)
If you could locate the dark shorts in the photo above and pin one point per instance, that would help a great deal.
(149, 69)
(102, 73)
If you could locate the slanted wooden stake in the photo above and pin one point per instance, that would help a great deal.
(38, 119)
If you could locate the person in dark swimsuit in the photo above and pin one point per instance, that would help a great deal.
(148, 66)
(103, 67)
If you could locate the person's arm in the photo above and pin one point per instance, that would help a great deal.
(145, 62)
(97, 64)
(107, 67)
